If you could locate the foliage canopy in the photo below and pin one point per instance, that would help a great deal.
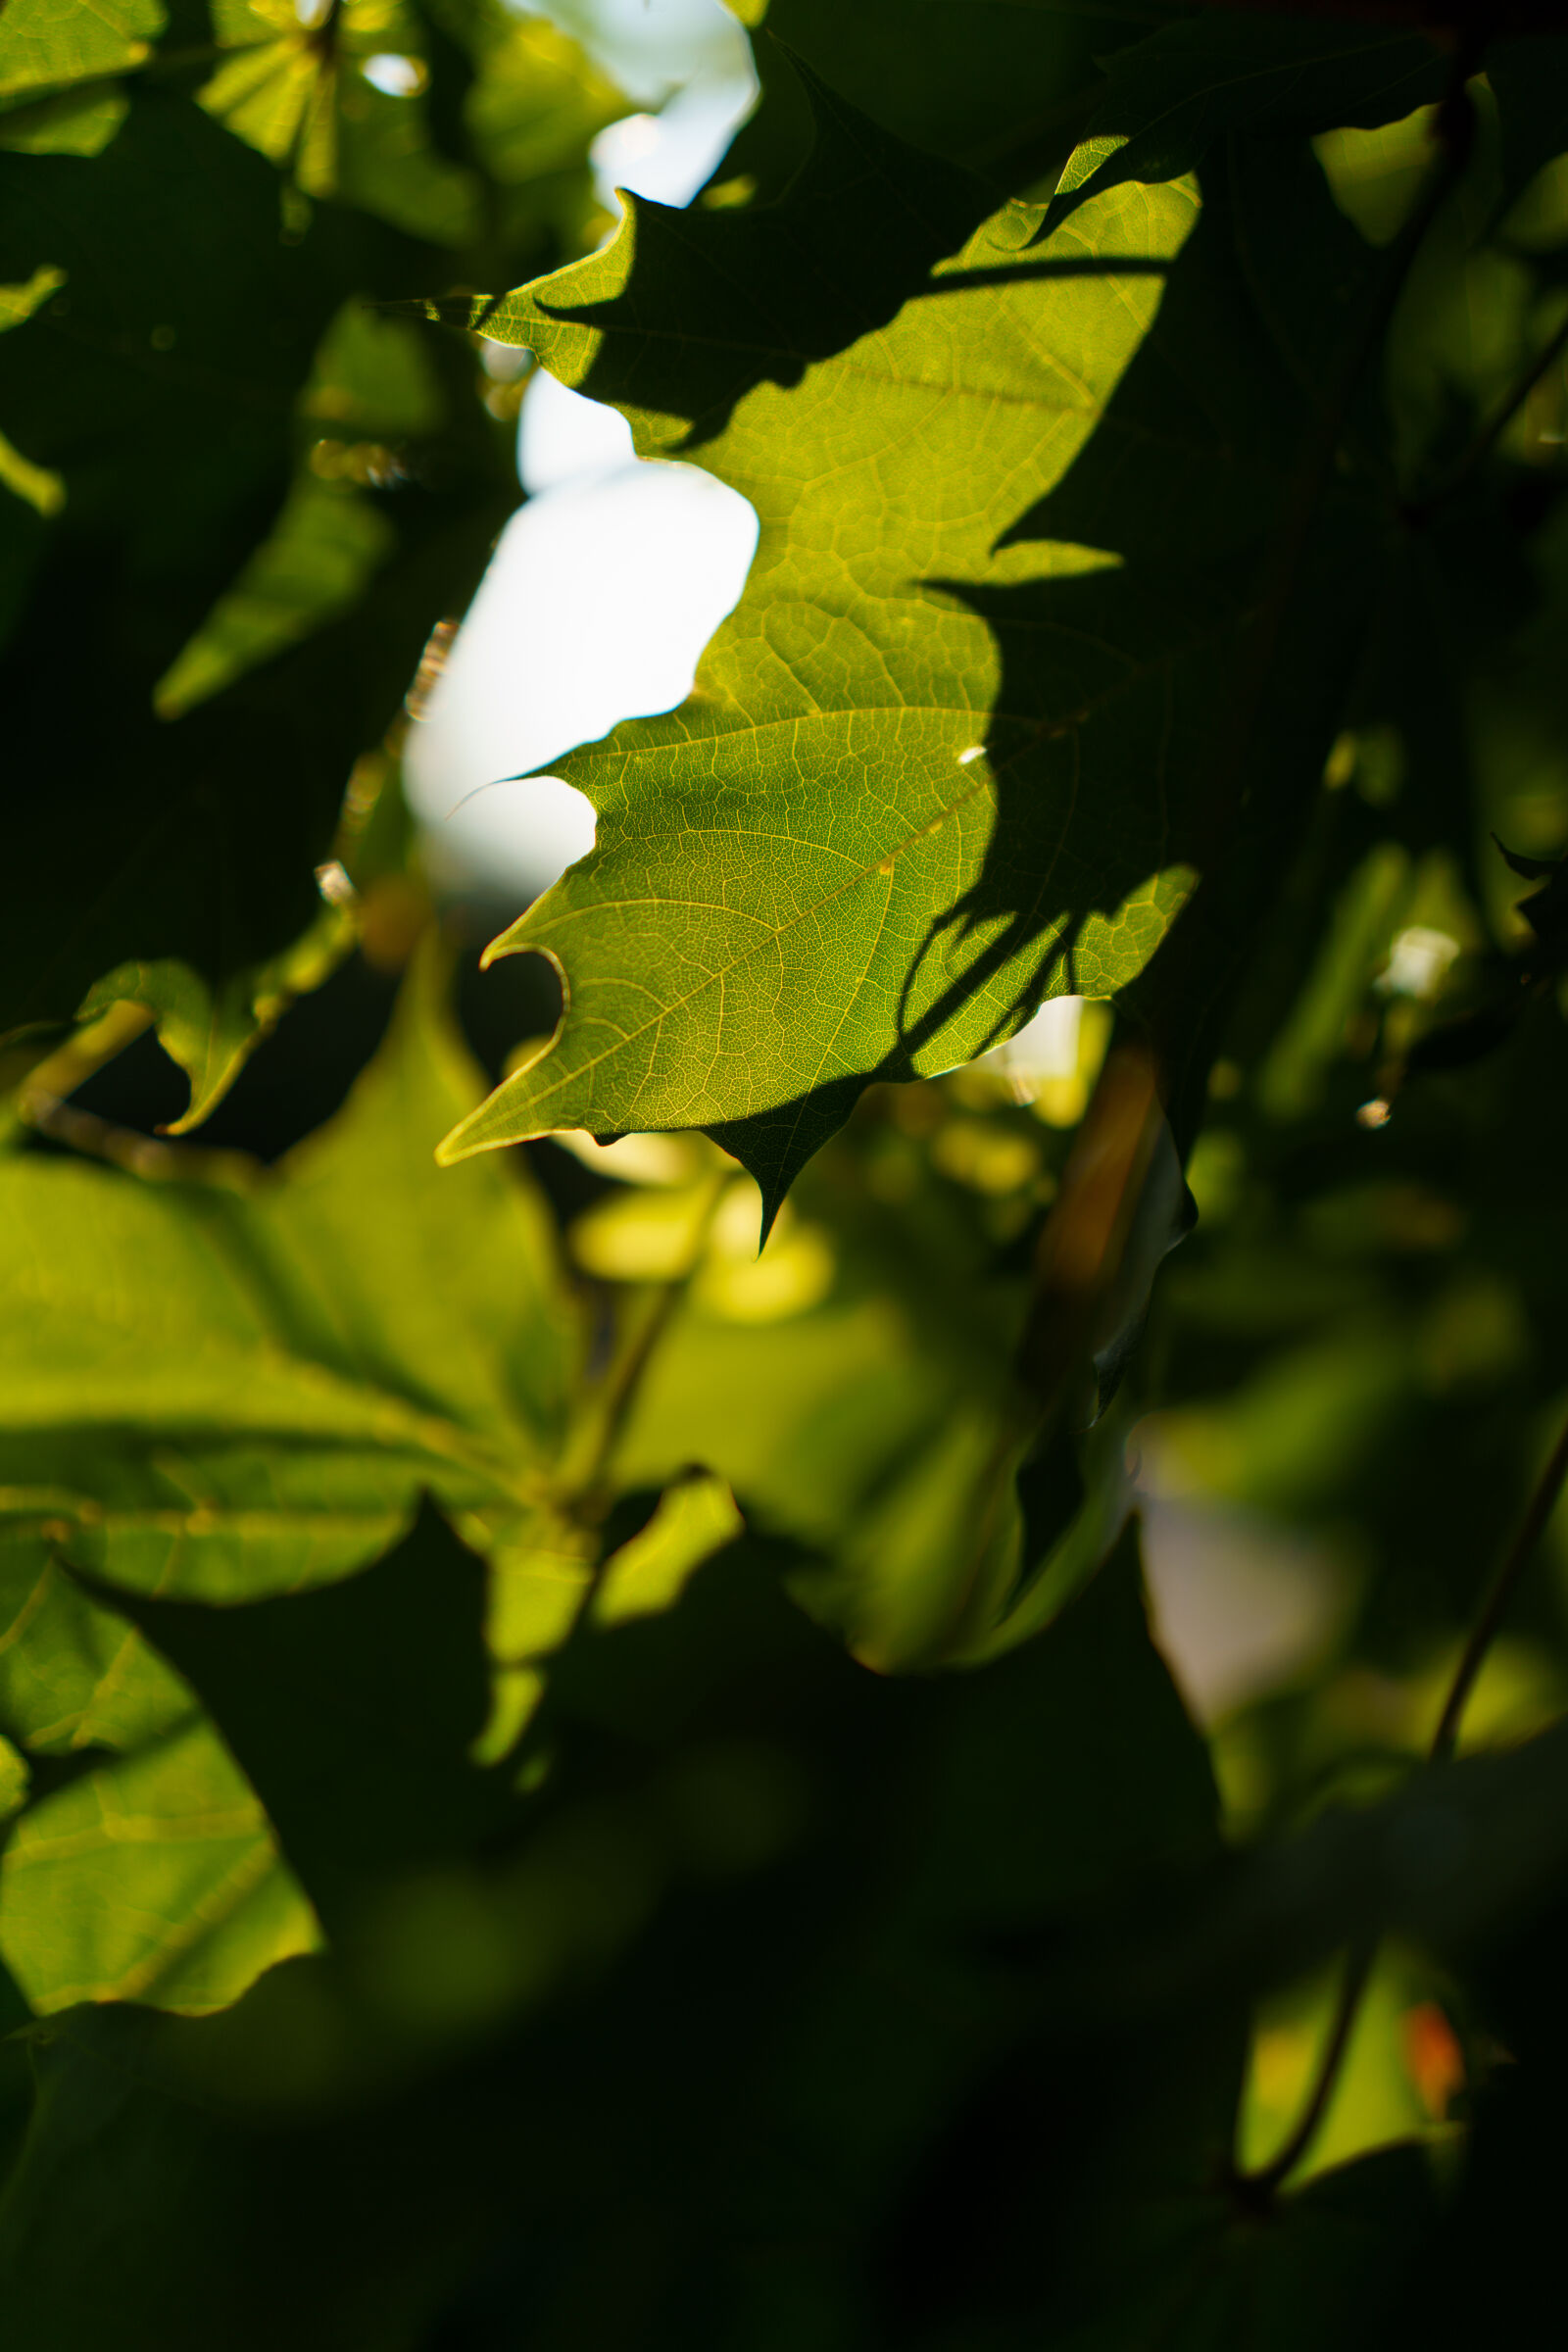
(948, 1785)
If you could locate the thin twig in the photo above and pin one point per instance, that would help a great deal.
(1263, 2182)
(1542, 1502)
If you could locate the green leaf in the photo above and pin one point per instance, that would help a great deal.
(19, 302)
(14, 1778)
(695, 1518)
(370, 394)
(224, 1397)
(353, 1711)
(456, 1299)
(43, 491)
(154, 1875)
(1191, 82)
(849, 712)
(537, 101)
(56, 97)
(73, 1676)
(211, 1032)
(952, 753)
(327, 544)
(73, 123)
(219, 1394)
(45, 44)
(299, 93)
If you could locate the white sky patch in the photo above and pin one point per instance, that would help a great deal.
(395, 76)
(669, 154)
(597, 605)
(605, 589)
(652, 47)
(1418, 963)
(1239, 1607)
(1045, 1047)
(563, 438)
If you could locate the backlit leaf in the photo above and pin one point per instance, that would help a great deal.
(72, 1674)
(211, 1032)
(222, 1395)
(152, 1877)
(956, 750)
(45, 44)
(849, 712)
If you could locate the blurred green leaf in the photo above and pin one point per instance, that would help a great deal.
(319, 561)
(12, 1778)
(73, 123)
(216, 1397)
(352, 1711)
(222, 1395)
(211, 1033)
(303, 91)
(44, 45)
(19, 302)
(695, 1518)
(536, 101)
(73, 1675)
(152, 1876)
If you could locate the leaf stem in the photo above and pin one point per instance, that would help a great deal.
(625, 1377)
(1250, 2187)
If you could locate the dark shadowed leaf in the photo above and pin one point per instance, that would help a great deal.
(352, 1710)
(1191, 82)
